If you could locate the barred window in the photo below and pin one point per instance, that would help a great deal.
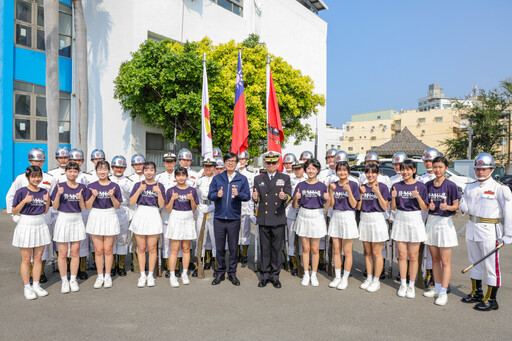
(235, 6)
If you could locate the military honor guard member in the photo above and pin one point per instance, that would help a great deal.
(103, 197)
(342, 226)
(408, 197)
(489, 205)
(219, 166)
(69, 231)
(31, 234)
(288, 161)
(272, 191)
(444, 199)
(247, 209)
(373, 230)
(146, 224)
(313, 198)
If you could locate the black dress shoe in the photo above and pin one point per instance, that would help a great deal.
(121, 272)
(93, 266)
(194, 273)
(262, 283)
(43, 279)
(478, 296)
(382, 276)
(365, 274)
(82, 275)
(294, 272)
(321, 266)
(218, 279)
(207, 266)
(234, 280)
(113, 272)
(167, 274)
(243, 259)
(276, 284)
(487, 305)
(177, 273)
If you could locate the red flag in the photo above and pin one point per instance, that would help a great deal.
(240, 126)
(275, 128)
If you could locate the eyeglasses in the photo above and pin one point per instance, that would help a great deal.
(272, 163)
(230, 161)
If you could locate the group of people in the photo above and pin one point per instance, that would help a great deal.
(298, 212)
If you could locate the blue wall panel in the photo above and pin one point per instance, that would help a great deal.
(21, 150)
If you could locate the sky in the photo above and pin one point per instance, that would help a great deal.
(384, 54)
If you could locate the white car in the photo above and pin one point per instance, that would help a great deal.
(460, 180)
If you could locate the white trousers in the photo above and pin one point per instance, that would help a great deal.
(121, 241)
(209, 237)
(290, 234)
(245, 230)
(476, 250)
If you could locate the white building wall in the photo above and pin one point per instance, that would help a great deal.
(117, 28)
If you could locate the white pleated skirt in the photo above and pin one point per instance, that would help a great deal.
(343, 225)
(103, 222)
(69, 227)
(181, 226)
(310, 223)
(408, 226)
(31, 231)
(441, 231)
(373, 227)
(146, 221)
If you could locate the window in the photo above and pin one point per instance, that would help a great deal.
(157, 145)
(235, 6)
(374, 138)
(351, 138)
(423, 133)
(421, 120)
(30, 122)
(350, 149)
(29, 26)
(378, 117)
(439, 119)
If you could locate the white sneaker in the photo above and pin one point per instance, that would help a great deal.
(374, 286)
(99, 282)
(366, 284)
(73, 284)
(184, 279)
(411, 293)
(108, 282)
(314, 281)
(40, 292)
(401, 291)
(141, 283)
(343, 283)
(305, 280)
(29, 293)
(335, 282)
(442, 299)
(174, 282)
(431, 293)
(65, 287)
(151, 281)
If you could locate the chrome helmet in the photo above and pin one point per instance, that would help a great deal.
(217, 153)
(306, 155)
(138, 159)
(372, 156)
(36, 154)
(331, 152)
(219, 163)
(76, 154)
(399, 157)
(62, 152)
(119, 161)
(341, 156)
(484, 160)
(244, 155)
(289, 158)
(184, 154)
(97, 154)
(430, 154)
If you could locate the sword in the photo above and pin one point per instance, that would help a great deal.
(199, 248)
(483, 258)
(159, 255)
(300, 268)
(285, 250)
(330, 270)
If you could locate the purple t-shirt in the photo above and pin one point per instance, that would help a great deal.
(68, 201)
(341, 196)
(182, 203)
(103, 200)
(312, 195)
(448, 190)
(371, 201)
(36, 207)
(405, 201)
(148, 197)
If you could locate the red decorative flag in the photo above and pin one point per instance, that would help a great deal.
(275, 128)
(240, 126)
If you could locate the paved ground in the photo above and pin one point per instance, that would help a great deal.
(201, 311)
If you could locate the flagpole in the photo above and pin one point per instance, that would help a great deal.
(268, 92)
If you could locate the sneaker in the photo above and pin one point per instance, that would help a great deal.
(65, 287)
(174, 282)
(73, 285)
(411, 293)
(141, 283)
(151, 281)
(40, 292)
(374, 286)
(335, 283)
(108, 282)
(366, 284)
(431, 293)
(401, 291)
(442, 299)
(305, 280)
(314, 281)
(99, 282)
(343, 284)
(184, 279)
(29, 293)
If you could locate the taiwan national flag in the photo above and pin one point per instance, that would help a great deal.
(240, 126)
(275, 129)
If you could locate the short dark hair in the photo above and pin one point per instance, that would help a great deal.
(371, 168)
(102, 163)
(409, 164)
(343, 164)
(149, 164)
(313, 162)
(33, 170)
(230, 155)
(72, 165)
(441, 159)
(181, 171)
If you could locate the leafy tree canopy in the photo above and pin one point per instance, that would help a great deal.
(163, 81)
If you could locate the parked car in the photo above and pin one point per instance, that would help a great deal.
(507, 181)
(358, 169)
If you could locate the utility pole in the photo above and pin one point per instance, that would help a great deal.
(470, 136)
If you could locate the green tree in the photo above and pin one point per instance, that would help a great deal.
(486, 119)
(163, 81)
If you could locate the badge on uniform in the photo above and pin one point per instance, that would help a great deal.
(280, 182)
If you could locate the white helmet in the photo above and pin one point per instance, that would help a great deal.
(331, 152)
(399, 157)
(62, 152)
(372, 156)
(119, 161)
(484, 160)
(184, 154)
(36, 154)
(76, 154)
(97, 154)
(430, 154)
(306, 155)
(289, 158)
(244, 155)
(341, 156)
(138, 159)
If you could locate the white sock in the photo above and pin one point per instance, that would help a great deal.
(403, 281)
(173, 274)
(35, 284)
(107, 276)
(337, 273)
(376, 279)
(346, 273)
(411, 284)
(437, 287)
(313, 273)
(443, 290)
(150, 273)
(370, 277)
(27, 285)
(73, 277)
(185, 272)
(100, 276)
(142, 274)
(64, 278)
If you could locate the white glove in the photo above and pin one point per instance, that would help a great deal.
(507, 240)
(253, 220)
